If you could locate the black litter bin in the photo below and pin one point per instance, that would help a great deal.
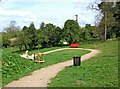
(76, 61)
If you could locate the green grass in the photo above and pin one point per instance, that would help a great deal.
(99, 71)
(15, 67)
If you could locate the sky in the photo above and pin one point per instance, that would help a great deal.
(50, 11)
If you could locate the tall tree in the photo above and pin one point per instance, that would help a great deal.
(12, 30)
(42, 25)
(107, 10)
(105, 18)
(25, 35)
(71, 29)
(32, 36)
(28, 37)
(50, 35)
(117, 18)
(20, 42)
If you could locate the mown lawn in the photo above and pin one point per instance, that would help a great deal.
(99, 71)
(15, 67)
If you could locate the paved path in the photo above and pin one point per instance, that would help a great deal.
(41, 77)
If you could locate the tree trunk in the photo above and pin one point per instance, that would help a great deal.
(20, 47)
(25, 47)
(105, 26)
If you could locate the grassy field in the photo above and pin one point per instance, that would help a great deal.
(99, 71)
(15, 67)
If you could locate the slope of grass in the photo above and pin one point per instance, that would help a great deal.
(15, 67)
(99, 71)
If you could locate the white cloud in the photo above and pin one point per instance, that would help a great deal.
(56, 13)
(47, 0)
(4, 12)
(31, 18)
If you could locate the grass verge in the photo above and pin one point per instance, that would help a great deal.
(15, 67)
(99, 71)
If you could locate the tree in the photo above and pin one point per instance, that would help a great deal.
(24, 37)
(117, 18)
(70, 31)
(56, 36)
(12, 30)
(42, 25)
(32, 36)
(50, 35)
(8, 39)
(89, 29)
(5, 40)
(28, 37)
(107, 10)
(21, 40)
(105, 18)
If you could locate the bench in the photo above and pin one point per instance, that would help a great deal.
(74, 45)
